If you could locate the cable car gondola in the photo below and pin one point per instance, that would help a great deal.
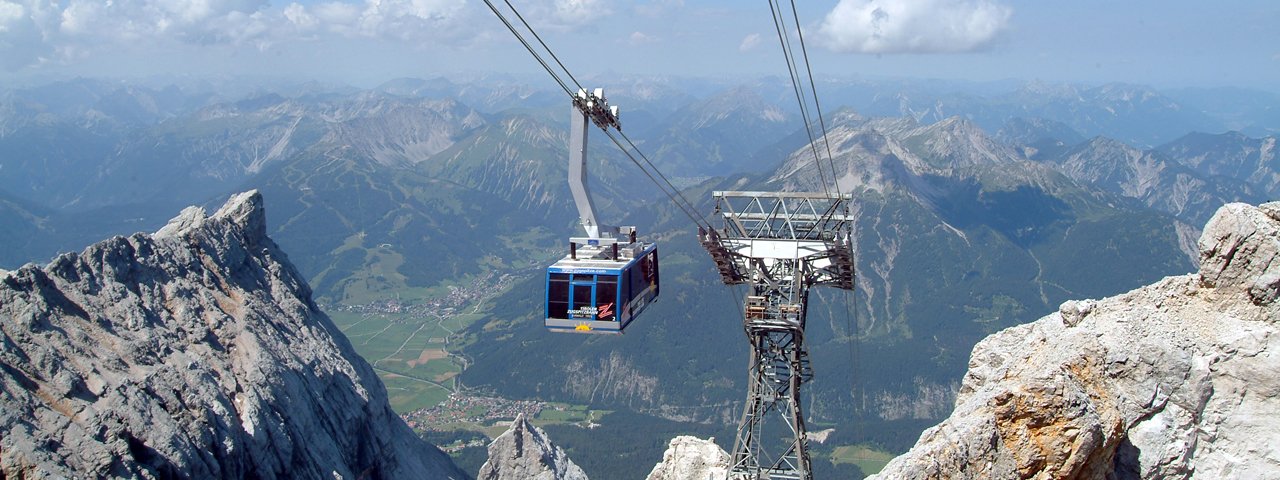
(595, 293)
(608, 277)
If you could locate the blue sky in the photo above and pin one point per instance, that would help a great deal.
(1161, 43)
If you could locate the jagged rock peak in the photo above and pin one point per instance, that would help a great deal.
(1179, 379)
(196, 352)
(244, 210)
(524, 452)
(690, 458)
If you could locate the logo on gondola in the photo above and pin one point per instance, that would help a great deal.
(603, 312)
(582, 327)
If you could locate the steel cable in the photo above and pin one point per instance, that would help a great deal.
(779, 25)
(816, 104)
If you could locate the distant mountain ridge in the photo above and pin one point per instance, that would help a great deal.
(1189, 177)
(382, 194)
(216, 147)
(131, 136)
(1133, 113)
(958, 235)
(1232, 155)
(720, 133)
(1155, 178)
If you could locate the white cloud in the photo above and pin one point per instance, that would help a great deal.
(564, 15)
(640, 38)
(35, 31)
(194, 21)
(659, 8)
(577, 11)
(21, 35)
(912, 26)
(300, 18)
(10, 14)
(64, 32)
(749, 43)
(410, 20)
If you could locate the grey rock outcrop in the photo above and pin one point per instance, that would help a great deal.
(692, 458)
(1179, 379)
(524, 452)
(196, 352)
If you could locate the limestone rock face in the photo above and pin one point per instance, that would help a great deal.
(524, 452)
(1238, 249)
(692, 458)
(1176, 380)
(196, 352)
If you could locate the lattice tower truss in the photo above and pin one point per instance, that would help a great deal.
(779, 244)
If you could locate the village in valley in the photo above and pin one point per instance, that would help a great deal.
(394, 332)
(463, 407)
(442, 306)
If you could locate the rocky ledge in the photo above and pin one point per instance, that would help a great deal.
(1179, 379)
(689, 457)
(196, 352)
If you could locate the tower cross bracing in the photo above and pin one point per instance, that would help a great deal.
(779, 244)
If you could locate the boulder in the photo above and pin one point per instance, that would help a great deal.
(1175, 380)
(692, 458)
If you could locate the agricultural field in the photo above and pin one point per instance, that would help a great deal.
(409, 352)
(410, 335)
(868, 459)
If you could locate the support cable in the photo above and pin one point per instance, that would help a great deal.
(665, 184)
(798, 451)
(817, 105)
(779, 25)
(665, 180)
(529, 47)
(544, 45)
(670, 195)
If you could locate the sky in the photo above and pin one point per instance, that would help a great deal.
(1171, 43)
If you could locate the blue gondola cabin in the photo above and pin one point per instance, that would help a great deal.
(601, 295)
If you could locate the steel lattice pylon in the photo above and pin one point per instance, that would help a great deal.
(780, 244)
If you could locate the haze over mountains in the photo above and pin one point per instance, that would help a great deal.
(978, 208)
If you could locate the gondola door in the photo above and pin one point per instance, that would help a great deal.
(582, 295)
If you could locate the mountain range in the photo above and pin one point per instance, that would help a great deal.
(975, 212)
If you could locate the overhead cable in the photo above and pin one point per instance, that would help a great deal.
(779, 24)
(560, 76)
(673, 194)
(544, 45)
(816, 104)
(670, 185)
(555, 76)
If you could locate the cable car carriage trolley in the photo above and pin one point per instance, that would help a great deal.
(596, 294)
(608, 277)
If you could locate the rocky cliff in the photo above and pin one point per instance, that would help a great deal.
(1179, 379)
(195, 352)
(692, 458)
(524, 452)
